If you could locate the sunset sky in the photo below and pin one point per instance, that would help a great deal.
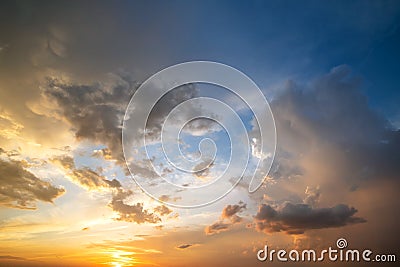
(329, 69)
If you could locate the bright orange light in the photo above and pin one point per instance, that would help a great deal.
(121, 258)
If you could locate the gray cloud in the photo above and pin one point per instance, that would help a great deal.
(328, 135)
(298, 218)
(95, 112)
(333, 112)
(183, 246)
(21, 189)
(202, 169)
(216, 228)
(114, 183)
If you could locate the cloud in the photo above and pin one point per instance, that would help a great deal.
(19, 188)
(298, 218)
(228, 218)
(203, 168)
(9, 127)
(332, 115)
(162, 210)
(104, 153)
(217, 227)
(92, 181)
(95, 112)
(166, 198)
(183, 246)
(131, 213)
(230, 212)
(312, 196)
(85, 176)
(9, 257)
(88, 178)
(114, 183)
(328, 135)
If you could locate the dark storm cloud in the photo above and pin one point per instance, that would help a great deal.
(21, 189)
(298, 218)
(327, 124)
(334, 107)
(333, 111)
(95, 112)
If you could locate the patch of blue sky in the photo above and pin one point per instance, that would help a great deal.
(83, 155)
(230, 98)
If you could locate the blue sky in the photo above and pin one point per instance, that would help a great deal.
(271, 40)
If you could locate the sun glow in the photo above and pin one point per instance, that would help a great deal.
(121, 258)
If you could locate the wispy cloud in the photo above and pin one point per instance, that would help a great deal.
(184, 246)
(84, 176)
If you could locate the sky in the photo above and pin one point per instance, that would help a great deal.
(70, 196)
